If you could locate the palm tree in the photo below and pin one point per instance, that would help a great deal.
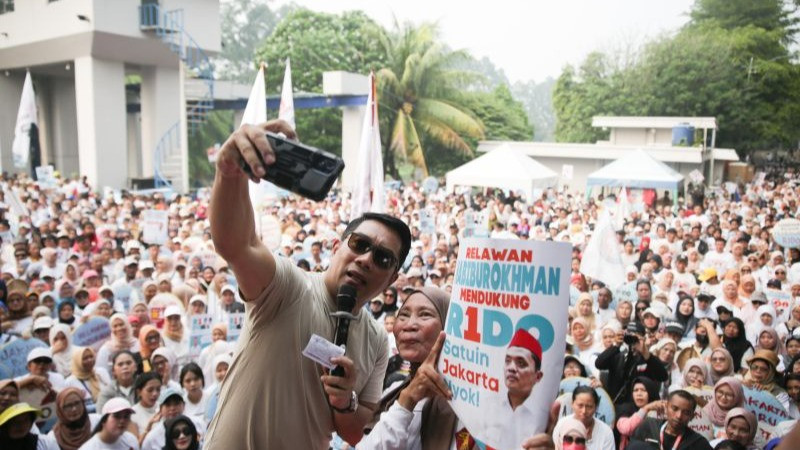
(420, 90)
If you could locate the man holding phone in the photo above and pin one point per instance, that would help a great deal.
(273, 397)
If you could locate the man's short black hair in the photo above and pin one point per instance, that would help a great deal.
(395, 224)
(684, 395)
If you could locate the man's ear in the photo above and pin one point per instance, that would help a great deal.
(336, 244)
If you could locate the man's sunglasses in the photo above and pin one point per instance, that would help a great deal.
(381, 256)
(177, 432)
(574, 440)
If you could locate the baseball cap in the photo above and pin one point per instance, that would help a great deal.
(40, 352)
(117, 404)
(173, 310)
(674, 327)
(42, 323)
(131, 261)
(707, 274)
(166, 394)
(17, 410)
(377, 299)
(146, 264)
(198, 298)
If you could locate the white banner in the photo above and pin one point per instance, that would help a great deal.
(506, 331)
(602, 258)
(26, 118)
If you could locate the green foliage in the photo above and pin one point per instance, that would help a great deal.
(722, 64)
(421, 92)
(215, 131)
(316, 43)
(537, 99)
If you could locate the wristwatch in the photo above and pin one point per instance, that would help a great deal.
(351, 408)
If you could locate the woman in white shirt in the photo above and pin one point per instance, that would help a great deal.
(193, 383)
(147, 388)
(584, 404)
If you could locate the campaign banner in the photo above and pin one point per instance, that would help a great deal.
(200, 333)
(765, 406)
(626, 292)
(45, 175)
(123, 292)
(476, 224)
(154, 226)
(781, 301)
(605, 409)
(14, 355)
(787, 233)
(509, 303)
(235, 324)
(93, 333)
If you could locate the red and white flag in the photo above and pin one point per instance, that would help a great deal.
(368, 189)
(286, 110)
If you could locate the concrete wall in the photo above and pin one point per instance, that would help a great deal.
(161, 109)
(102, 136)
(10, 91)
(641, 136)
(62, 126)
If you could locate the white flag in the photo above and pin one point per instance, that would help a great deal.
(26, 118)
(254, 113)
(286, 110)
(368, 189)
(623, 209)
(602, 258)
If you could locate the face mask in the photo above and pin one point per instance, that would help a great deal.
(702, 339)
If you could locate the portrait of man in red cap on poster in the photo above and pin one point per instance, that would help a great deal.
(509, 421)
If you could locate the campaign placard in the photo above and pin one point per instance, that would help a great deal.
(14, 355)
(426, 224)
(235, 324)
(45, 401)
(93, 333)
(154, 226)
(506, 330)
(781, 301)
(768, 409)
(787, 233)
(200, 333)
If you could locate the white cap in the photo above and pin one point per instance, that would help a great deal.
(42, 323)
(146, 264)
(117, 404)
(130, 260)
(40, 352)
(198, 298)
(229, 288)
(173, 310)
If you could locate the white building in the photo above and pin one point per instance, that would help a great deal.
(626, 134)
(79, 53)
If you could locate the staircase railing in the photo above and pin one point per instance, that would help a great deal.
(168, 145)
(169, 27)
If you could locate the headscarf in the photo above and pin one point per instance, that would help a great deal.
(62, 359)
(791, 324)
(588, 340)
(746, 415)
(714, 411)
(170, 424)
(84, 375)
(222, 327)
(779, 347)
(628, 408)
(694, 362)
(738, 345)
(689, 322)
(127, 343)
(61, 303)
(71, 435)
(714, 377)
(590, 318)
(769, 383)
(566, 426)
(176, 336)
(144, 350)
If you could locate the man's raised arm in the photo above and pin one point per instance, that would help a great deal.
(231, 213)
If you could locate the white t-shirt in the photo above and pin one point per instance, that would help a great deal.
(125, 442)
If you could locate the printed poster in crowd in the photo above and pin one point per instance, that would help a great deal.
(235, 324)
(476, 224)
(426, 223)
(93, 333)
(45, 175)
(14, 355)
(509, 303)
(43, 400)
(625, 292)
(200, 333)
(767, 408)
(154, 226)
(781, 301)
(605, 409)
(787, 233)
(123, 292)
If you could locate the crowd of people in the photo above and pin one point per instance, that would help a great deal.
(692, 331)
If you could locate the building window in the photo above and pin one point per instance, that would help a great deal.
(6, 6)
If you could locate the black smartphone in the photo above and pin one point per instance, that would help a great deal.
(302, 169)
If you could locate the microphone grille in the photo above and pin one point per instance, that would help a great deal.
(346, 298)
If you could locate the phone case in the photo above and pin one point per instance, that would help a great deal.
(302, 169)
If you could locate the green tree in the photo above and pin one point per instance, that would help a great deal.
(319, 42)
(218, 126)
(423, 103)
(537, 99)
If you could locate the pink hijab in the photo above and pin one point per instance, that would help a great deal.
(714, 411)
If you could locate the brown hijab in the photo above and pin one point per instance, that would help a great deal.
(71, 436)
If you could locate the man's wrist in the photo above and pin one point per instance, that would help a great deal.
(351, 407)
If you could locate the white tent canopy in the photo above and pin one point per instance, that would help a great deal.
(503, 168)
(636, 170)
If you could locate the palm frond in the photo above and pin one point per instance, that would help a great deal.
(449, 115)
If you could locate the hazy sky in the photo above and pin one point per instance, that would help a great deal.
(528, 39)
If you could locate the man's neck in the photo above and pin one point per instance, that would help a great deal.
(672, 431)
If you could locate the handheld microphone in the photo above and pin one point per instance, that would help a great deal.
(345, 302)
